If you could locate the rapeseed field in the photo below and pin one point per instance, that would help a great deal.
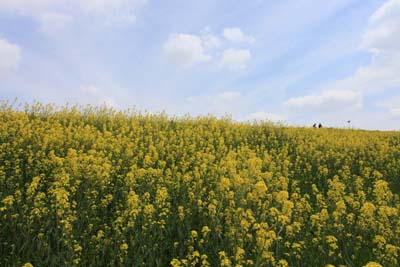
(91, 186)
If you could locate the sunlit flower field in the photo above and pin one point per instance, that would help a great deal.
(96, 187)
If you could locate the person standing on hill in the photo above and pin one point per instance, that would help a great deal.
(319, 125)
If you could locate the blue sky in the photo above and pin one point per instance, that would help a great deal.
(298, 61)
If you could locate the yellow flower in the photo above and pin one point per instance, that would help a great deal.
(372, 264)
(124, 246)
(77, 248)
(260, 188)
(193, 234)
(8, 200)
(181, 213)
(175, 263)
(283, 263)
(205, 231)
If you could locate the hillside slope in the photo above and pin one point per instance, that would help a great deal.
(96, 187)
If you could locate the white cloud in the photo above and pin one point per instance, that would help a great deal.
(188, 49)
(236, 35)
(262, 116)
(327, 101)
(382, 40)
(383, 33)
(185, 50)
(111, 12)
(10, 56)
(382, 74)
(235, 59)
(211, 41)
(389, 8)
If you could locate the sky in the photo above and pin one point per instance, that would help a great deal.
(299, 62)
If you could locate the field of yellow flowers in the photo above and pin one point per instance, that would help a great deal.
(96, 187)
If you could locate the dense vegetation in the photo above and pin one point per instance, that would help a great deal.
(96, 187)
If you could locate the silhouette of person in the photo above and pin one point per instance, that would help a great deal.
(319, 125)
(314, 125)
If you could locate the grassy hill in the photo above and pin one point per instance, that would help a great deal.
(96, 187)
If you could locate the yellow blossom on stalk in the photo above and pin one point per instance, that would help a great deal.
(283, 263)
(176, 263)
(106, 200)
(225, 184)
(282, 196)
(332, 243)
(181, 213)
(284, 219)
(8, 200)
(124, 246)
(161, 196)
(193, 234)
(204, 261)
(224, 260)
(239, 254)
(212, 210)
(382, 192)
(33, 186)
(149, 210)
(77, 248)
(380, 241)
(205, 231)
(372, 264)
(260, 188)
(287, 207)
(100, 234)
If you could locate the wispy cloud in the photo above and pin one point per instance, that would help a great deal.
(10, 56)
(381, 40)
(62, 11)
(327, 101)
